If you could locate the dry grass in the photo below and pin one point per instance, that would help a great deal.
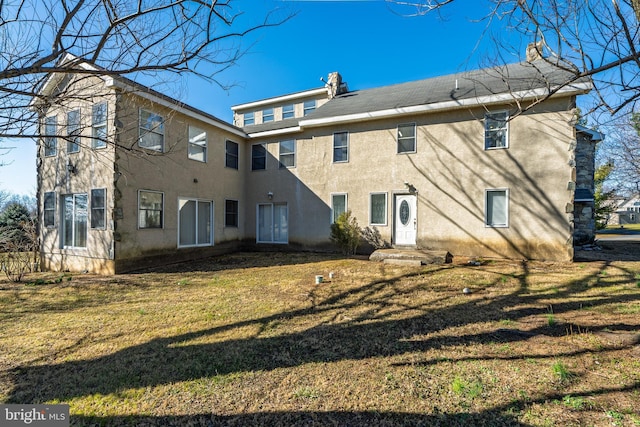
(249, 339)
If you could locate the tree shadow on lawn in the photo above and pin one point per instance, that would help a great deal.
(310, 419)
(375, 332)
(243, 260)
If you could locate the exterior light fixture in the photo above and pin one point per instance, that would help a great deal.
(410, 187)
(270, 195)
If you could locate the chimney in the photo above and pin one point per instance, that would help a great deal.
(335, 86)
(534, 51)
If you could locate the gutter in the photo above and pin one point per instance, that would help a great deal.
(577, 88)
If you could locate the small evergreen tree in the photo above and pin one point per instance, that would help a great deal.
(603, 198)
(345, 233)
(18, 241)
(374, 238)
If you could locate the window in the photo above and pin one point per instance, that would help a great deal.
(151, 131)
(195, 219)
(99, 125)
(197, 144)
(288, 112)
(230, 213)
(49, 209)
(378, 209)
(98, 208)
(309, 106)
(273, 223)
(267, 115)
(340, 147)
(288, 153)
(338, 205)
(150, 208)
(50, 139)
(258, 157)
(73, 131)
(496, 208)
(248, 119)
(74, 227)
(407, 138)
(231, 155)
(495, 130)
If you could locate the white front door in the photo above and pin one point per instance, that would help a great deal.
(406, 220)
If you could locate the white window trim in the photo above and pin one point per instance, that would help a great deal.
(346, 204)
(272, 241)
(246, 115)
(54, 138)
(211, 218)
(44, 209)
(306, 110)
(141, 133)
(486, 207)
(138, 210)
(333, 147)
(77, 132)
(292, 112)
(94, 126)
(63, 224)
(293, 154)
(237, 156)
(268, 115)
(104, 208)
(415, 138)
(206, 144)
(506, 136)
(386, 208)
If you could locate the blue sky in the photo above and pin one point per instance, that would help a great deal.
(370, 42)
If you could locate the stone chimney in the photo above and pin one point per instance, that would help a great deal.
(534, 51)
(335, 86)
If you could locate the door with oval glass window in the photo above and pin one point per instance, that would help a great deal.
(406, 220)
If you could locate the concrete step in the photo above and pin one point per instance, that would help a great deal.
(411, 256)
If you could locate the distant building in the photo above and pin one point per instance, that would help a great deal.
(627, 211)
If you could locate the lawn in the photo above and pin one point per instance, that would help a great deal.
(250, 339)
(613, 228)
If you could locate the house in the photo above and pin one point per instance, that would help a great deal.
(128, 177)
(627, 211)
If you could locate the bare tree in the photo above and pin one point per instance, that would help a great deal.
(116, 38)
(596, 39)
(622, 150)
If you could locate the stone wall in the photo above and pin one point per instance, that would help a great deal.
(584, 226)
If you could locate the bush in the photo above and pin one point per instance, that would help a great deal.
(18, 249)
(372, 236)
(345, 233)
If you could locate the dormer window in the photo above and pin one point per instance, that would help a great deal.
(309, 106)
(288, 112)
(267, 115)
(248, 119)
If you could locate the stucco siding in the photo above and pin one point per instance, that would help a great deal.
(450, 169)
(77, 173)
(176, 176)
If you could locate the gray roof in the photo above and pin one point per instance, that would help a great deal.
(523, 76)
